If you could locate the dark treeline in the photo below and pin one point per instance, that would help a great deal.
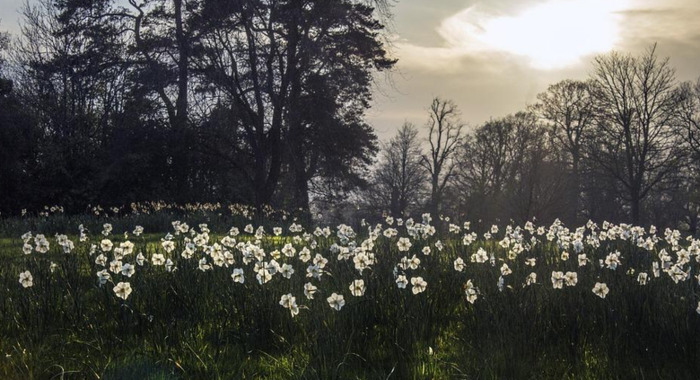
(263, 103)
(621, 146)
(253, 101)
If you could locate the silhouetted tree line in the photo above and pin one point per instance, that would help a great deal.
(263, 102)
(253, 101)
(622, 146)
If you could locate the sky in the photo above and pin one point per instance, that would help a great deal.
(492, 57)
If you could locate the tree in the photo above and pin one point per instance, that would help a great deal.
(5, 84)
(69, 82)
(400, 177)
(297, 77)
(158, 41)
(17, 142)
(689, 115)
(444, 138)
(508, 169)
(567, 109)
(636, 141)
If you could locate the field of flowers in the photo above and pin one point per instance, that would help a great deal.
(213, 294)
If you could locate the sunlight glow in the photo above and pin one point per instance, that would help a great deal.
(553, 34)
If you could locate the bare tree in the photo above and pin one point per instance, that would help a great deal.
(5, 85)
(636, 142)
(508, 169)
(567, 109)
(484, 164)
(444, 137)
(689, 114)
(400, 177)
(4, 43)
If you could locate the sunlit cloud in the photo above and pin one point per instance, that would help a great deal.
(546, 35)
(553, 34)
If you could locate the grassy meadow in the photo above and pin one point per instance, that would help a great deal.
(220, 293)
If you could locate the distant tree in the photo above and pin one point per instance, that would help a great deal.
(689, 115)
(444, 138)
(509, 169)
(567, 110)
(483, 169)
(636, 141)
(4, 44)
(399, 179)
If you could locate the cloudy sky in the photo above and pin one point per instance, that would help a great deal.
(493, 56)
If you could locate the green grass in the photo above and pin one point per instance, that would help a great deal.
(194, 324)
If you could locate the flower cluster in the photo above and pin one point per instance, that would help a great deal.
(306, 262)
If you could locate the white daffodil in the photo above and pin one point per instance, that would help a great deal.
(336, 301)
(310, 290)
(481, 256)
(158, 259)
(286, 271)
(203, 265)
(168, 245)
(106, 245)
(600, 289)
(571, 278)
(288, 250)
(505, 270)
(263, 276)
(314, 271)
(115, 266)
(140, 259)
(122, 290)
(128, 270)
(26, 279)
(612, 260)
(459, 264)
(106, 229)
(419, 285)
(305, 254)
(582, 260)
(414, 262)
(290, 302)
(557, 279)
(531, 279)
(404, 244)
(401, 281)
(470, 291)
(237, 275)
(357, 288)
(320, 261)
(103, 276)
(127, 247)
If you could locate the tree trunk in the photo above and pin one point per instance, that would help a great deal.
(575, 192)
(395, 203)
(636, 208)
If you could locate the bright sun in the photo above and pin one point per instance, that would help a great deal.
(551, 35)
